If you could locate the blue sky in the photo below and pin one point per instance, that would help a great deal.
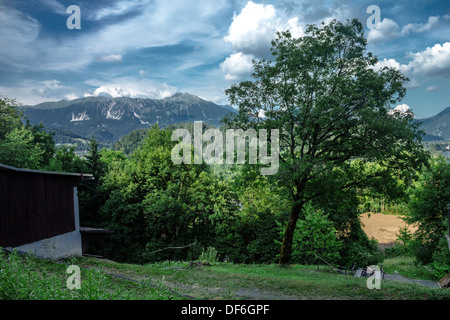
(155, 48)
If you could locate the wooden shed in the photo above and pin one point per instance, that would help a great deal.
(39, 211)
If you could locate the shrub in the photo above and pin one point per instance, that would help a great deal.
(315, 235)
(210, 255)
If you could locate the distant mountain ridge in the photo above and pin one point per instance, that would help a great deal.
(108, 119)
(437, 127)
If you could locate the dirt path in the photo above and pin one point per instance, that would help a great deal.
(383, 227)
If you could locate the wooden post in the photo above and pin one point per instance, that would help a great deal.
(448, 216)
(448, 236)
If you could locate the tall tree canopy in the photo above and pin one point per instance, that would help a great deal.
(331, 106)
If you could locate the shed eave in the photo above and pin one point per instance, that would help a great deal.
(82, 176)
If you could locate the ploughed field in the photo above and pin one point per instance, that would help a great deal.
(383, 227)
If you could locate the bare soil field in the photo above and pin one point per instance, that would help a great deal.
(383, 227)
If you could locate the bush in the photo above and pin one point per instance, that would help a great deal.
(406, 244)
(210, 255)
(315, 235)
(441, 260)
(358, 248)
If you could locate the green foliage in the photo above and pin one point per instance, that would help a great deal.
(17, 149)
(315, 236)
(24, 277)
(155, 203)
(130, 142)
(65, 160)
(23, 146)
(331, 107)
(440, 265)
(363, 251)
(10, 116)
(90, 192)
(406, 243)
(45, 141)
(209, 255)
(427, 208)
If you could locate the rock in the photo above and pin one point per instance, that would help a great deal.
(445, 282)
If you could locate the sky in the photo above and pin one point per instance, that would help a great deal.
(156, 48)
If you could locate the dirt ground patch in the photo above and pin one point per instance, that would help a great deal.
(383, 227)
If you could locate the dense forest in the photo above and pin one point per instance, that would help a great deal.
(342, 152)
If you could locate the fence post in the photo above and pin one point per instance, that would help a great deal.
(448, 236)
(448, 216)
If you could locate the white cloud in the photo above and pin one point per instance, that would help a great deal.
(116, 9)
(420, 27)
(401, 111)
(250, 35)
(54, 6)
(432, 88)
(111, 58)
(132, 88)
(392, 63)
(403, 108)
(389, 29)
(17, 32)
(405, 69)
(31, 92)
(432, 62)
(295, 28)
(237, 66)
(155, 24)
(253, 29)
(71, 96)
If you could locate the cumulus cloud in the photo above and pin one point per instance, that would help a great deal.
(420, 27)
(402, 111)
(131, 88)
(403, 108)
(250, 35)
(433, 61)
(389, 29)
(253, 29)
(237, 66)
(392, 63)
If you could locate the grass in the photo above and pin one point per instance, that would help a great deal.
(24, 277)
(406, 266)
(29, 278)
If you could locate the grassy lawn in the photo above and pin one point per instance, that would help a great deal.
(28, 278)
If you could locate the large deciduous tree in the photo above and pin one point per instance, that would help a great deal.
(331, 106)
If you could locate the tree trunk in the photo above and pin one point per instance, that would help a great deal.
(286, 247)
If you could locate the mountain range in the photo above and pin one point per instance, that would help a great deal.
(109, 119)
(437, 127)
